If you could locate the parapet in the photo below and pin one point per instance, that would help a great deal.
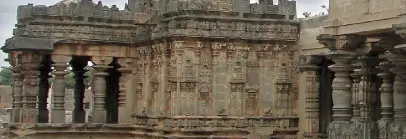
(40, 27)
(243, 8)
(84, 10)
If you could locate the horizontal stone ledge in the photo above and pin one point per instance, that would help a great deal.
(268, 117)
(58, 126)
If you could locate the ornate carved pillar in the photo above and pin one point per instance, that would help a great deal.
(31, 64)
(386, 90)
(17, 87)
(44, 86)
(356, 79)
(342, 52)
(125, 95)
(309, 66)
(60, 65)
(386, 98)
(367, 97)
(342, 85)
(78, 67)
(99, 108)
(399, 87)
(397, 57)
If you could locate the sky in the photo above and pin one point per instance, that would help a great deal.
(8, 14)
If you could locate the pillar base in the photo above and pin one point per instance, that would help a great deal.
(350, 130)
(16, 116)
(396, 130)
(123, 115)
(29, 115)
(338, 129)
(79, 116)
(383, 127)
(99, 116)
(58, 116)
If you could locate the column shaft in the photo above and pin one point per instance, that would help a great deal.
(58, 111)
(386, 91)
(99, 111)
(18, 92)
(124, 114)
(31, 65)
(399, 86)
(342, 95)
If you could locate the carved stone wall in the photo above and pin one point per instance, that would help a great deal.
(225, 68)
(219, 79)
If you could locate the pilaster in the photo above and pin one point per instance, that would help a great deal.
(309, 66)
(60, 65)
(124, 101)
(31, 64)
(100, 66)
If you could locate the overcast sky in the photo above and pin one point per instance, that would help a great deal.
(8, 12)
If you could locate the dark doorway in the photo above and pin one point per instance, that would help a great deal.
(325, 95)
(112, 92)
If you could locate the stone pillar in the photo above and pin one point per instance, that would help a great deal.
(342, 95)
(17, 91)
(309, 66)
(58, 111)
(31, 64)
(356, 79)
(43, 91)
(78, 67)
(124, 96)
(367, 97)
(343, 50)
(386, 99)
(100, 66)
(399, 95)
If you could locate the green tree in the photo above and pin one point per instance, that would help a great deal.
(6, 77)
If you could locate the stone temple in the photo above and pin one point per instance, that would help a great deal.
(210, 69)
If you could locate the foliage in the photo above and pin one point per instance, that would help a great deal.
(6, 77)
(309, 14)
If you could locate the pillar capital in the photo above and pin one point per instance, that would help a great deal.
(309, 62)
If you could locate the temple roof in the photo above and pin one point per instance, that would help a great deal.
(68, 1)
